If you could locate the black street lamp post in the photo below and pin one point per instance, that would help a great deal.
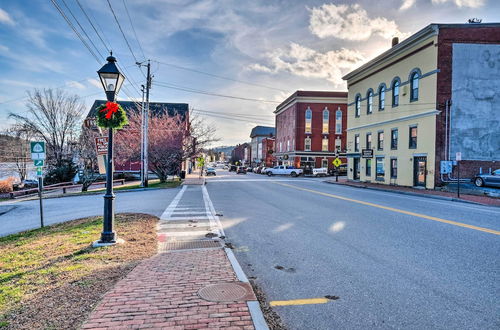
(112, 80)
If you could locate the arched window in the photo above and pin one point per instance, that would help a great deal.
(381, 97)
(358, 106)
(395, 92)
(414, 79)
(338, 121)
(326, 119)
(369, 102)
(309, 115)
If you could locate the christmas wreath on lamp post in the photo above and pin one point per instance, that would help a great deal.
(111, 115)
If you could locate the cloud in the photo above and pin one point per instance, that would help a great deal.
(462, 3)
(307, 62)
(407, 4)
(5, 18)
(349, 23)
(95, 83)
(75, 84)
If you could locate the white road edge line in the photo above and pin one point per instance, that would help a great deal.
(171, 207)
(211, 211)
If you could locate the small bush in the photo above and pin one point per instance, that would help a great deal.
(6, 185)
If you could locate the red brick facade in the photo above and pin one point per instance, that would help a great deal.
(448, 35)
(291, 122)
(268, 150)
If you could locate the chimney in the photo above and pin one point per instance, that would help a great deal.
(395, 41)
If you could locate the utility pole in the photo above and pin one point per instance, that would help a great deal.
(145, 125)
(142, 135)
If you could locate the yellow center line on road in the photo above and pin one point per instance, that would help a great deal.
(428, 217)
(299, 302)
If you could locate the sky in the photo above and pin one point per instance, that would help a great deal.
(251, 54)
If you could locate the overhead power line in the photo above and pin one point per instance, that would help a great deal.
(133, 29)
(121, 30)
(93, 27)
(220, 77)
(231, 118)
(191, 90)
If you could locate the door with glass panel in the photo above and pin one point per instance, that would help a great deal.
(419, 171)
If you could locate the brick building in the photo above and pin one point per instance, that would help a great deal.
(268, 149)
(422, 101)
(310, 129)
(155, 109)
(240, 154)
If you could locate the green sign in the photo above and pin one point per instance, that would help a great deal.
(39, 172)
(337, 162)
(38, 162)
(37, 150)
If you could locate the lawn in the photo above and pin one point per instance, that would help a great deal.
(51, 278)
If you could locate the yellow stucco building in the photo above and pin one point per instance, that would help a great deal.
(391, 134)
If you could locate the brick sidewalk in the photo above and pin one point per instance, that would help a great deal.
(162, 293)
(408, 190)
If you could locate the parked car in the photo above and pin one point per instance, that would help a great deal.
(492, 179)
(26, 184)
(249, 169)
(283, 170)
(210, 171)
(342, 170)
(233, 168)
(241, 170)
(322, 171)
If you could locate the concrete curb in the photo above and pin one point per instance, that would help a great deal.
(259, 322)
(78, 194)
(452, 199)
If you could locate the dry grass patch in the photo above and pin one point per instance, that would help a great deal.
(51, 278)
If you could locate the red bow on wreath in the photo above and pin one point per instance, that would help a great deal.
(111, 108)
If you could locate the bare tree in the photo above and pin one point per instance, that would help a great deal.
(55, 117)
(87, 155)
(172, 140)
(20, 149)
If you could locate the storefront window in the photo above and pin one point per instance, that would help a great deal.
(380, 168)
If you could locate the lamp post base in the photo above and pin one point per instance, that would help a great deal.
(100, 243)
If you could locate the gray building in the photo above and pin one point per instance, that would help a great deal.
(257, 134)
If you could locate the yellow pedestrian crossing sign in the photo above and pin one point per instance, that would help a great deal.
(337, 162)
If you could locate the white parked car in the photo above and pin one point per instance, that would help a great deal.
(283, 170)
(322, 171)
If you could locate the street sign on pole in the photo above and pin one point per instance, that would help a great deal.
(101, 144)
(337, 162)
(37, 150)
(39, 171)
(38, 162)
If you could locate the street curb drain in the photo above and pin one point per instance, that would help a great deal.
(188, 245)
(227, 292)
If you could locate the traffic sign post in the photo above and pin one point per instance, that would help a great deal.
(38, 155)
(337, 162)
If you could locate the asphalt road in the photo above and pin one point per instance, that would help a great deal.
(394, 261)
(23, 215)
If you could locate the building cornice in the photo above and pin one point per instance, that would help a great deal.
(305, 99)
(395, 120)
(395, 51)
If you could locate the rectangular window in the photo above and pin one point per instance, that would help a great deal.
(356, 143)
(380, 141)
(338, 145)
(368, 140)
(324, 146)
(394, 139)
(338, 121)
(413, 137)
(380, 168)
(288, 145)
(307, 144)
(394, 168)
(326, 119)
(324, 163)
(369, 167)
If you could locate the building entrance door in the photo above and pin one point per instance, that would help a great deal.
(355, 175)
(419, 171)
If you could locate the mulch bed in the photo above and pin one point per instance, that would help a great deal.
(66, 280)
